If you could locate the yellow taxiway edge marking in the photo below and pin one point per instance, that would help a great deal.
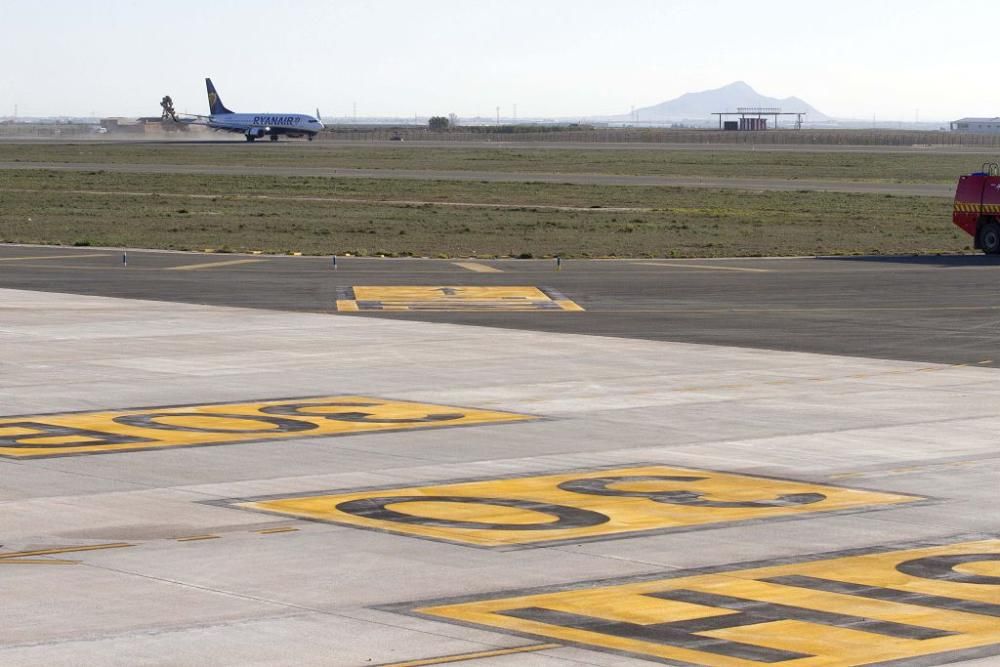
(38, 561)
(347, 305)
(195, 538)
(705, 267)
(40, 257)
(211, 265)
(478, 268)
(25, 557)
(985, 361)
(271, 531)
(473, 656)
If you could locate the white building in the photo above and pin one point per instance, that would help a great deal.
(977, 125)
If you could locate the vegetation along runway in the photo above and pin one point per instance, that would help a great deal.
(605, 205)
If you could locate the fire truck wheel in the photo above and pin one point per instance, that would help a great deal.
(989, 238)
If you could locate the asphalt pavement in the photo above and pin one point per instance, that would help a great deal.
(936, 309)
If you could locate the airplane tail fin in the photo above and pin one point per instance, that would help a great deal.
(215, 105)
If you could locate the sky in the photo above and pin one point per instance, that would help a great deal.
(889, 59)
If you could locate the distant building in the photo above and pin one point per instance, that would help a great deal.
(145, 125)
(122, 125)
(753, 119)
(976, 125)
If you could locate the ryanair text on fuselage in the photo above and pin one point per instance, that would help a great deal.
(267, 121)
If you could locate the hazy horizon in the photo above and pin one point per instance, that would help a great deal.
(893, 60)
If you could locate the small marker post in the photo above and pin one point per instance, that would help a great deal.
(558, 263)
(124, 258)
(334, 264)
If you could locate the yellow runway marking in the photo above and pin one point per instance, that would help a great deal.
(705, 267)
(478, 655)
(905, 605)
(44, 257)
(463, 298)
(27, 557)
(477, 267)
(569, 506)
(211, 265)
(216, 424)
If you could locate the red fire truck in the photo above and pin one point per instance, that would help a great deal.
(977, 207)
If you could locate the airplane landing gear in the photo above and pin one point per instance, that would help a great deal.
(250, 138)
(274, 137)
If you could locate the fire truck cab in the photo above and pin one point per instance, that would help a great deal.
(977, 207)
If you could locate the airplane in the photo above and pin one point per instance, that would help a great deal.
(258, 125)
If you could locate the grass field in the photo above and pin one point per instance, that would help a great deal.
(431, 218)
(904, 167)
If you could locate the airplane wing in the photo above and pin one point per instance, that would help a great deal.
(192, 119)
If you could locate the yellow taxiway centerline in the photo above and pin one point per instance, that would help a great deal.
(212, 265)
(197, 538)
(25, 557)
(271, 531)
(462, 657)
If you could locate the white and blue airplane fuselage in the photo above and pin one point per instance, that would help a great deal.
(258, 125)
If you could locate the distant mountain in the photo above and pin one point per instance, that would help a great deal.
(728, 98)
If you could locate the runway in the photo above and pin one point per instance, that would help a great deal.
(933, 309)
(766, 184)
(502, 142)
